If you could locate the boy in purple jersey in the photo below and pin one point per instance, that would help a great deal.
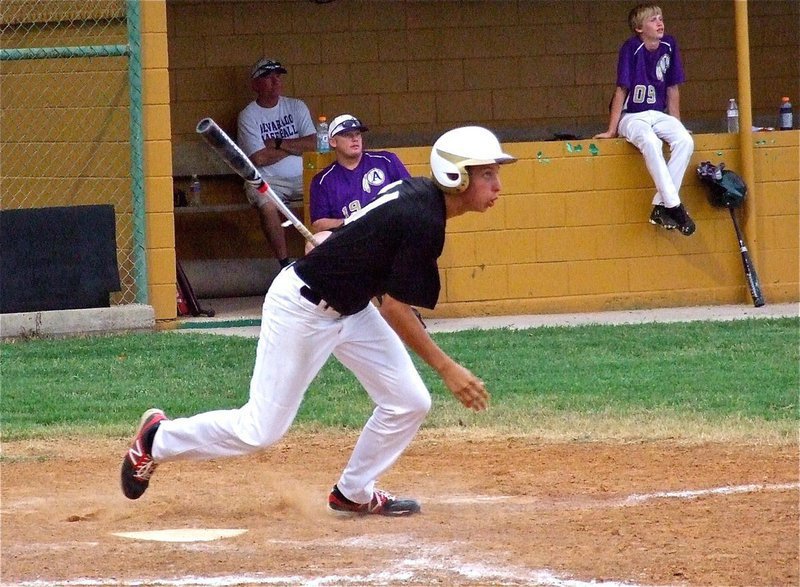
(645, 110)
(354, 179)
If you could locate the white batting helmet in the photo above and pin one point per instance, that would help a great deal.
(459, 148)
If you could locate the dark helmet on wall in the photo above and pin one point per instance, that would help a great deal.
(726, 188)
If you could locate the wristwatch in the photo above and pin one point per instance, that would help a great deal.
(278, 142)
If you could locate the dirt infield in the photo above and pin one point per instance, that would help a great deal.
(496, 511)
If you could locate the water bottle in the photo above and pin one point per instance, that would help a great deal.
(733, 116)
(194, 191)
(323, 146)
(786, 121)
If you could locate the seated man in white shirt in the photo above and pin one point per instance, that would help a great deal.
(274, 131)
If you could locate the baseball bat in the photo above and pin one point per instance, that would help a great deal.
(244, 168)
(195, 309)
(749, 269)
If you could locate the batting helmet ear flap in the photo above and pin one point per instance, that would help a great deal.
(446, 173)
(460, 148)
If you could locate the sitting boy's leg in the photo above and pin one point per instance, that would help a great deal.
(639, 130)
(681, 144)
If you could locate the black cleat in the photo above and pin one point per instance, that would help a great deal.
(381, 504)
(138, 465)
(660, 217)
(686, 225)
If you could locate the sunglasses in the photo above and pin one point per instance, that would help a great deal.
(349, 124)
(266, 72)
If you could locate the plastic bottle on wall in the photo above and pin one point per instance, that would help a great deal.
(194, 191)
(786, 120)
(733, 116)
(323, 146)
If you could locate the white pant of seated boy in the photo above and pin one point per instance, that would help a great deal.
(647, 131)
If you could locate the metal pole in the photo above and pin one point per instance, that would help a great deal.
(137, 148)
(63, 52)
(746, 124)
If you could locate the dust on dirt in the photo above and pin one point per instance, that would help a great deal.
(495, 510)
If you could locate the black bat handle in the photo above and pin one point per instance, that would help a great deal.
(750, 274)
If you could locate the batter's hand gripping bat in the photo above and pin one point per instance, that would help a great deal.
(241, 164)
(749, 269)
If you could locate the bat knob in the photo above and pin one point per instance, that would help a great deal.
(204, 125)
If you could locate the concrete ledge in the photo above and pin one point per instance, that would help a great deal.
(225, 278)
(71, 322)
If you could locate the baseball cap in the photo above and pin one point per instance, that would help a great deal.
(345, 122)
(265, 67)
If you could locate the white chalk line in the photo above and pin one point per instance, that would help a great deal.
(431, 559)
(473, 572)
(595, 503)
(426, 564)
(637, 498)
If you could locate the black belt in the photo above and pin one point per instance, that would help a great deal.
(313, 297)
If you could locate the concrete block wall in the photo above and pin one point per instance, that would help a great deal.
(157, 136)
(777, 205)
(570, 232)
(525, 68)
(414, 68)
(411, 69)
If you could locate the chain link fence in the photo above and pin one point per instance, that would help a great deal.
(66, 134)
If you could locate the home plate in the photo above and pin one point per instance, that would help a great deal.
(183, 534)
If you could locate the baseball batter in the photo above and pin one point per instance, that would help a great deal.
(320, 305)
(645, 110)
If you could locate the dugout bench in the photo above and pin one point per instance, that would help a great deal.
(220, 243)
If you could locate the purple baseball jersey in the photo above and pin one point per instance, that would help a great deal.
(337, 192)
(647, 74)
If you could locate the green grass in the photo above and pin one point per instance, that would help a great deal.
(744, 371)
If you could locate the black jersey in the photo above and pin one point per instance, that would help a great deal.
(390, 246)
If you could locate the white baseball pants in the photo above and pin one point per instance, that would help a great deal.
(646, 131)
(296, 339)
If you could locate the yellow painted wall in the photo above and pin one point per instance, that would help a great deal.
(777, 169)
(571, 231)
(571, 234)
(526, 69)
(157, 133)
(411, 69)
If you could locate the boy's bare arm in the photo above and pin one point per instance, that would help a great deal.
(615, 114)
(270, 154)
(674, 101)
(299, 145)
(325, 224)
(469, 390)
